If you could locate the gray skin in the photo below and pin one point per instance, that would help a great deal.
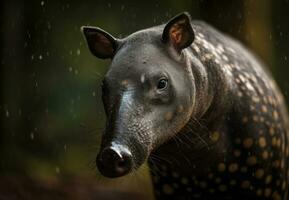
(198, 106)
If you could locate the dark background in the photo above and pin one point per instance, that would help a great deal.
(50, 106)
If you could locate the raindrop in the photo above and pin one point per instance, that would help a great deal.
(109, 5)
(122, 7)
(48, 25)
(78, 52)
(40, 57)
(93, 93)
(65, 147)
(32, 136)
(7, 114)
(28, 34)
(57, 169)
(76, 72)
(32, 57)
(42, 3)
(70, 69)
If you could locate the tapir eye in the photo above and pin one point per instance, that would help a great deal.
(162, 84)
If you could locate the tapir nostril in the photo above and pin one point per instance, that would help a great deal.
(114, 162)
(122, 163)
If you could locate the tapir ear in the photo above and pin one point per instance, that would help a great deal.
(100, 43)
(179, 32)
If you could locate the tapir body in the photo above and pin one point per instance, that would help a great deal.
(199, 107)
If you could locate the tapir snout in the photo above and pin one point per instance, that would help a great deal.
(121, 155)
(124, 144)
(114, 160)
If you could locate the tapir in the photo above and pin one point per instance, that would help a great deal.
(196, 105)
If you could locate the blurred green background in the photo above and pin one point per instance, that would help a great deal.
(50, 103)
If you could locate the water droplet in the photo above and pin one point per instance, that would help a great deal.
(57, 169)
(42, 3)
(40, 57)
(78, 52)
(65, 147)
(93, 93)
(32, 136)
(76, 72)
(32, 57)
(7, 114)
(70, 69)
(48, 25)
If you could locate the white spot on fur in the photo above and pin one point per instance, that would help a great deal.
(142, 78)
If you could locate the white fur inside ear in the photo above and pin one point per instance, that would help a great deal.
(179, 32)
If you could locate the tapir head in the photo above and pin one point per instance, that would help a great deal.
(147, 92)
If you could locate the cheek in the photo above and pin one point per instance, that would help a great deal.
(184, 97)
(178, 118)
(168, 123)
(172, 118)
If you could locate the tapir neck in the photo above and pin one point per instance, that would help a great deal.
(212, 88)
(203, 91)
